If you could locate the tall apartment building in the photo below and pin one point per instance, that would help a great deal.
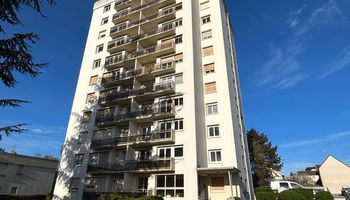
(157, 109)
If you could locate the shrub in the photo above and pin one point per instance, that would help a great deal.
(323, 196)
(263, 195)
(29, 197)
(290, 195)
(114, 196)
(308, 194)
(150, 198)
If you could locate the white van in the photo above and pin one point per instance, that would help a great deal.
(284, 185)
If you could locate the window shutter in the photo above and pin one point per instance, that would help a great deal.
(210, 87)
(206, 34)
(207, 51)
(93, 80)
(209, 68)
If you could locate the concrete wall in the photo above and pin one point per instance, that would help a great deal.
(32, 176)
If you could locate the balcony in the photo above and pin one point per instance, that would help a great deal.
(111, 97)
(122, 4)
(143, 115)
(152, 138)
(130, 27)
(129, 44)
(110, 142)
(149, 72)
(118, 60)
(112, 79)
(150, 92)
(149, 54)
(144, 55)
(123, 14)
(136, 166)
(157, 137)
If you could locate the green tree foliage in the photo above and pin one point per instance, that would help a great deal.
(263, 158)
(15, 55)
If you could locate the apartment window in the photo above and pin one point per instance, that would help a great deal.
(210, 87)
(178, 39)
(178, 151)
(212, 108)
(204, 5)
(20, 169)
(206, 19)
(208, 51)
(14, 190)
(217, 184)
(170, 185)
(104, 21)
(178, 6)
(107, 8)
(93, 80)
(82, 137)
(97, 63)
(87, 116)
(178, 22)
(215, 156)
(178, 78)
(90, 98)
(164, 152)
(79, 159)
(102, 34)
(209, 68)
(178, 101)
(74, 184)
(178, 58)
(99, 48)
(206, 34)
(143, 185)
(3, 168)
(213, 131)
(178, 125)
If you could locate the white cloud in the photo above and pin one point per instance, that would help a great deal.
(324, 15)
(342, 61)
(291, 81)
(319, 140)
(293, 19)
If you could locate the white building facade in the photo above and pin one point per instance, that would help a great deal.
(157, 109)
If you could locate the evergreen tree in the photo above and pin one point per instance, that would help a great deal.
(15, 56)
(263, 158)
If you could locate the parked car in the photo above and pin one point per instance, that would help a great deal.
(281, 186)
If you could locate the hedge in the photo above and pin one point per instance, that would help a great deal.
(323, 196)
(114, 196)
(265, 195)
(308, 194)
(290, 195)
(27, 197)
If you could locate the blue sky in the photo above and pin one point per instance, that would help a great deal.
(294, 63)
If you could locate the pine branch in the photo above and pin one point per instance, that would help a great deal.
(10, 8)
(18, 128)
(11, 102)
(15, 57)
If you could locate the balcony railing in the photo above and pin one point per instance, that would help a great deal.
(155, 164)
(156, 68)
(150, 112)
(114, 96)
(111, 78)
(135, 8)
(126, 25)
(155, 136)
(157, 49)
(130, 39)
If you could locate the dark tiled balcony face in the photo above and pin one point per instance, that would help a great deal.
(137, 166)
